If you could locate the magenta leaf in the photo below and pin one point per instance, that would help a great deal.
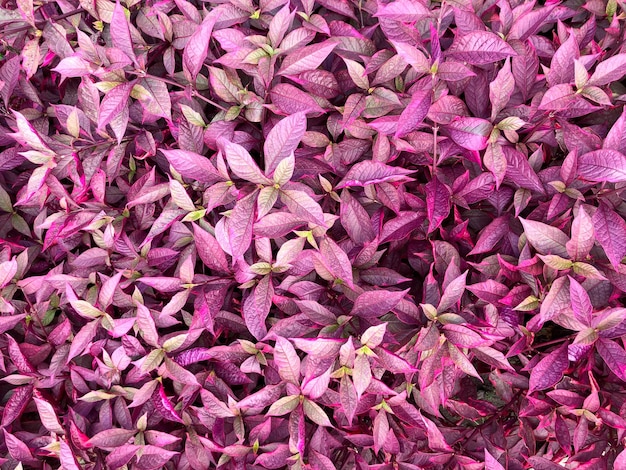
(283, 139)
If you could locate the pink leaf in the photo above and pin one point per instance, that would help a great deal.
(209, 250)
(437, 203)
(306, 58)
(287, 361)
(241, 163)
(336, 261)
(192, 166)
(583, 236)
(292, 100)
(164, 406)
(114, 103)
(120, 32)
(111, 438)
(257, 306)
(239, 226)
(403, 10)
(196, 49)
(302, 205)
(614, 356)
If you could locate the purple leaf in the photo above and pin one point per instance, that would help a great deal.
(609, 228)
(257, 306)
(371, 304)
(415, 112)
(614, 356)
(468, 132)
(549, 370)
(480, 48)
(602, 166)
(609, 70)
(545, 238)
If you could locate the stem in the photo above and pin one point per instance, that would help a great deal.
(435, 131)
(43, 22)
(494, 416)
(554, 341)
(209, 101)
(178, 85)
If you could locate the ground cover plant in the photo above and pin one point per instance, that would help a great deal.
(312, 234)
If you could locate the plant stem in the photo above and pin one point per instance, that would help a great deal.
(182, 87)
(551, 342)
(43, 22)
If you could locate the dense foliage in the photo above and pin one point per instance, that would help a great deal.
(312, 234)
